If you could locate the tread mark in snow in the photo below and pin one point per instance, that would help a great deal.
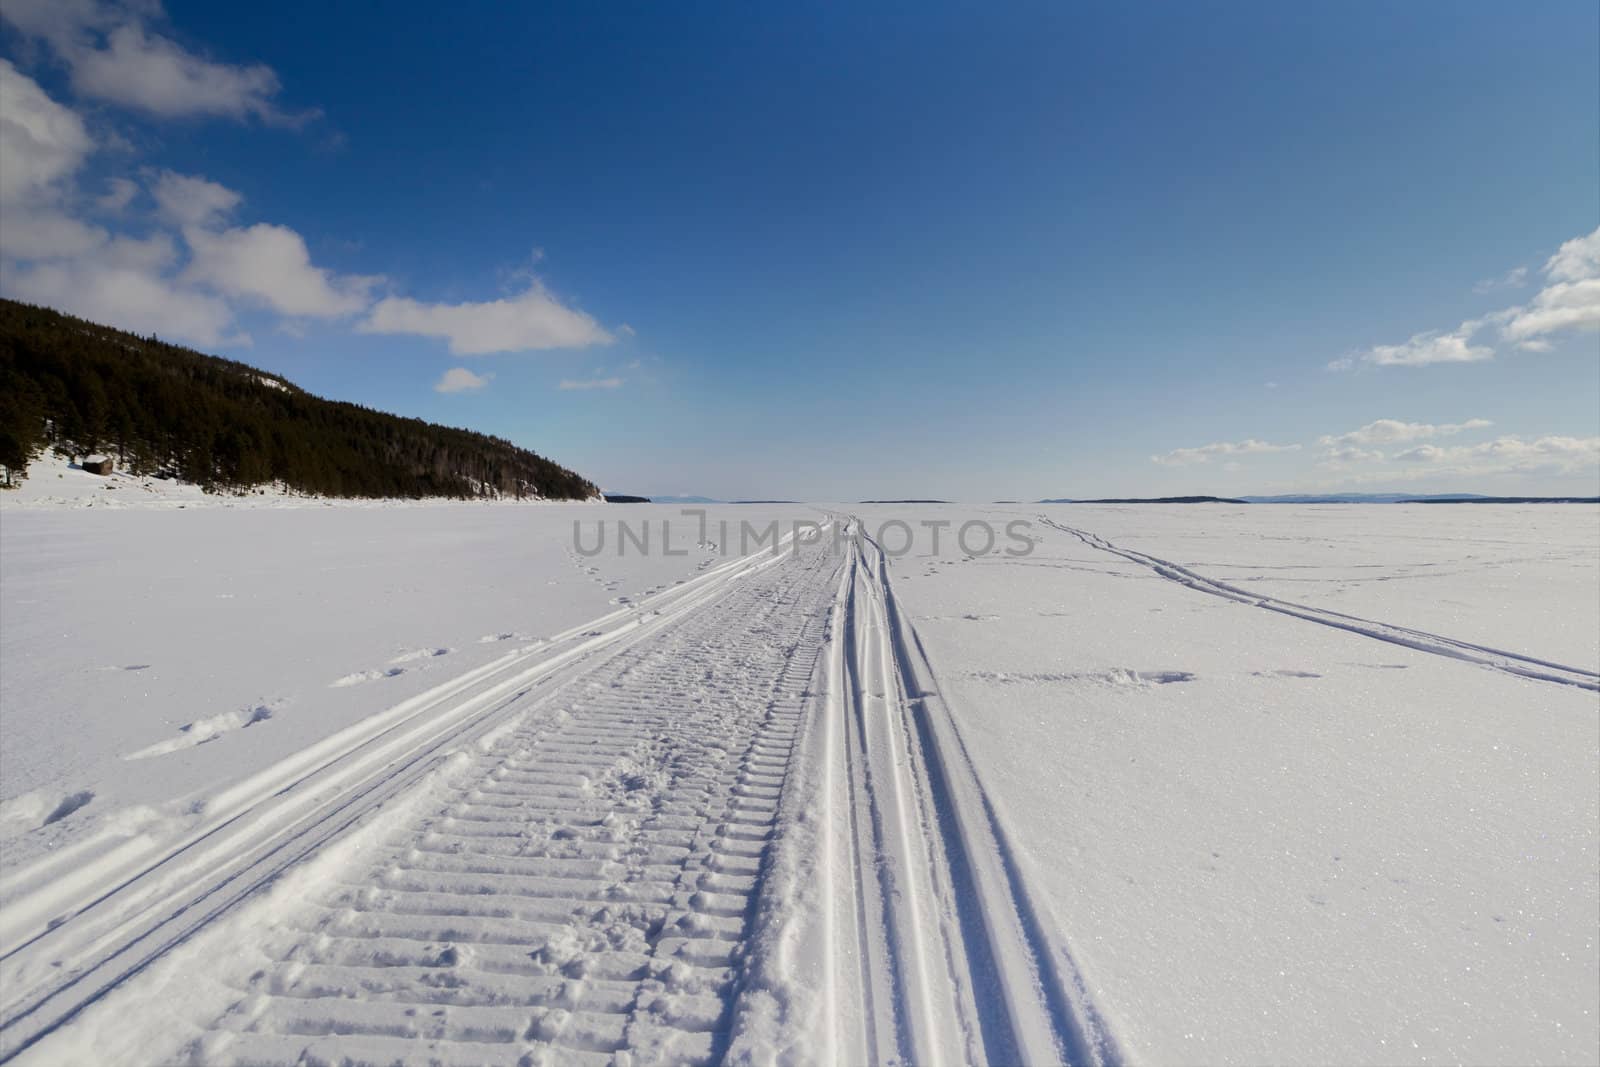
(585, 890)
(955, 957)
(1421, 640)
(65, 951)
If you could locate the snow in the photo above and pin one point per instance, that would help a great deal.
(54, 482)
(1477, 572)
(1273, 841)
(150, 654)
(426, 784)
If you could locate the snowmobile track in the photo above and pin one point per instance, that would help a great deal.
(583, 890)
(599, 851)
(53, 972)
(1523, 666)
(950, 950)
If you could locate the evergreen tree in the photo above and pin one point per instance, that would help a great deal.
(163, 409)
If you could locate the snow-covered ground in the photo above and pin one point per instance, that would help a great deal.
(1274, 840)
(54, 481)
(150, 655)
(426, 784)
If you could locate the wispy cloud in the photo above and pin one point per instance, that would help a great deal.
(187, 268)
(1394, 431)
(1183, 457)
(530, 321)
(461, 380)
(50, 256)
(42, 143)
(590, 383)
(271, 265)
(1515, 278)
(189, 200)
(1345, 455)
(1421, 349)
(113, 54)
(56, 255)
(1511, 453)
(119, 193)
(1503, 456)
(1569, 300)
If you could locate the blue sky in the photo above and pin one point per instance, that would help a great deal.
(760, 250)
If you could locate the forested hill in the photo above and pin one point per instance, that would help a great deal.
(161, 409)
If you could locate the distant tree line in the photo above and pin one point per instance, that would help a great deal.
(163, 410)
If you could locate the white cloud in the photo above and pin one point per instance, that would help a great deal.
(1181, 457)
(148, 72)
(118, 196)
(1341, 456)
(1515, 278)
(265, 263)
(1393, 431)
(1455, 467)
(41, 142)
(48, 234)
(191, 201)
(58, 251)
(1570, 300)
(461, 380)
(591, 383)
(272, 265)
(1576, 259)
(1562, 306)
(1511, 453)
(128, 297)
(1433, 346)
(52, 256)
(533, 320)
(111, 54)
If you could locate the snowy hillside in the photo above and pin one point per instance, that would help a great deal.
(80, 387)
(54, 481)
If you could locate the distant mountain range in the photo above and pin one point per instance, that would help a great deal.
(1508, 500)
(1287, 498)
(1357, 498)
(1338, 498)
(1153, 500)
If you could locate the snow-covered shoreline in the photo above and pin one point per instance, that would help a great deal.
(53, 482)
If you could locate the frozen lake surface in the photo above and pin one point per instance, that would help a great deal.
(1175, 784)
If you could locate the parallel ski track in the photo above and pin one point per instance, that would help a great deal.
(90, 951)
(947, 942)
(1522, 666)
(581, 887)
(585, 891)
